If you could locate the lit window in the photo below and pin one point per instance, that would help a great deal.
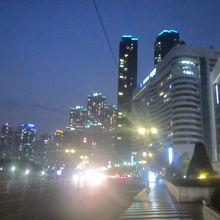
(121, 77)
(122, 60)
(119, 138)
(121, 65)
(126, 55)
(125, 86)
(120, 113)
(120, 93)
(119, 125)
(161, 93)
(125, 69)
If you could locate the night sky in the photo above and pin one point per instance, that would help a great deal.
(53, 53)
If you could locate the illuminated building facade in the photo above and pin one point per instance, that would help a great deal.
(6, 137)
(175, 98)
(165, 41)
(127, 82)
(110, 117)
(78, 117)
(25, 139)
(96, 108)
(215, 109)
(57, 147)
(44, 151)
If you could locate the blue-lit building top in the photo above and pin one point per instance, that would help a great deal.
(25, 140)
(165, 41)
(167, 32)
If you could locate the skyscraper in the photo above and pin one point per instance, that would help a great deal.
(96, 108)
(165, 41)
(78, 117)
(25, 141)
(57, 142)
(110, 117)
(127, 82)
(6, 136)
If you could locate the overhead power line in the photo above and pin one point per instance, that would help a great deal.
(105, 32)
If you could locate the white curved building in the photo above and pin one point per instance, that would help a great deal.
(175, 98)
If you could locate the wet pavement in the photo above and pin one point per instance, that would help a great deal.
(157, 203)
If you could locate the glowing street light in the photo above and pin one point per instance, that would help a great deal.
(27, 172)
(144, 154)
(141, 130)
(72, 151)
(150, 155)
(13, 168)
(154, 130)
(202, 176)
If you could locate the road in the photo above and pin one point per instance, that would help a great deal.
(63, 201)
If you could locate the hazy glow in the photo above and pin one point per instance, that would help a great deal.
(170, 152)
(27, 172)
(13, 168)
(141, 130)
(217, 97)
(151, 177)
(154, 130)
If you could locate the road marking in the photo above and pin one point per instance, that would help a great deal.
(152, 211)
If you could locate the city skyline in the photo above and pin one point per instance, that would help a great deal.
(45, 62)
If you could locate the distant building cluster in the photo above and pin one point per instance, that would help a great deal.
(90, 132)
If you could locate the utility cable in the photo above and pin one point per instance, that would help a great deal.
(104, 30)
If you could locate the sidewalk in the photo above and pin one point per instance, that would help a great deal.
(157, 203)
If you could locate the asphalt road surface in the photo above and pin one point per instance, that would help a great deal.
(63, 201)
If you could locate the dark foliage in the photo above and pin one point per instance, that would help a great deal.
(172, 172)
(199, 162)
(215, 199)
(183, 163)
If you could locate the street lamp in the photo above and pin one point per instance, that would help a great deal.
(144, 154)
(72, 151)
(154, 130)
(150, 154)
(141, 130)
(13, 168)
(27, 172)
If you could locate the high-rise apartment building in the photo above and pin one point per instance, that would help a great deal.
(110, 117)
(96, 108)
(78, 117)
(165, 41)
(25, 139)
(175, 98)
(57, 147)
(127, 82)
(6, 137)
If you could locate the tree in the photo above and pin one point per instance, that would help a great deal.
(183, 163)
(172, 172)
(200, 162)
